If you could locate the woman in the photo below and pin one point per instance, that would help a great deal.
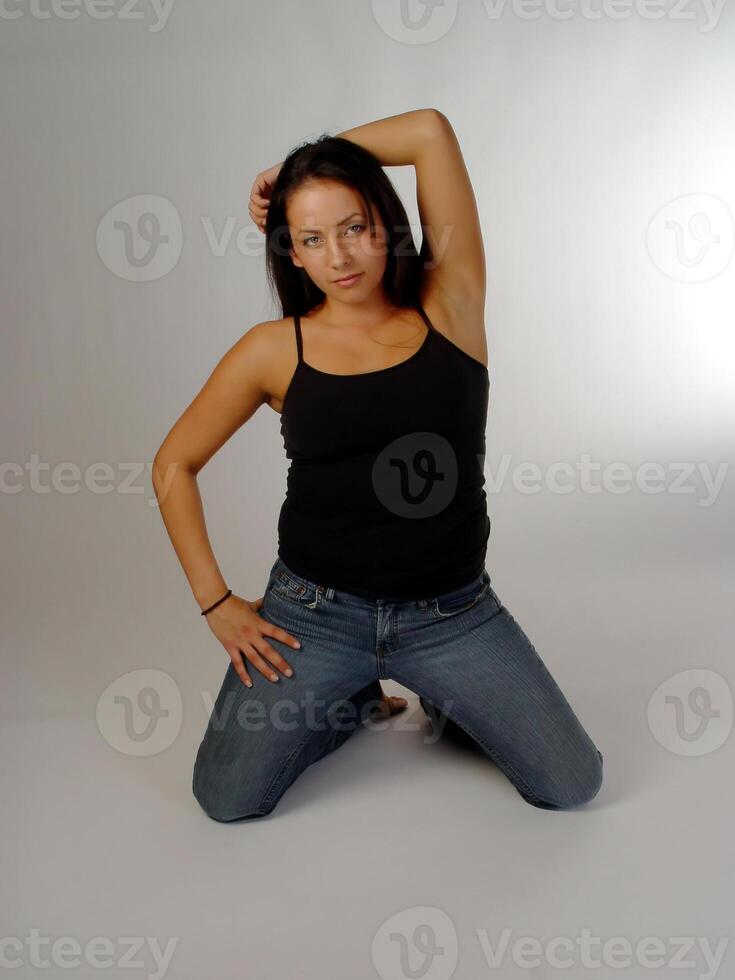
(378, 369)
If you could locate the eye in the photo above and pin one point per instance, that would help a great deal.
(357, 226)
(307, 240)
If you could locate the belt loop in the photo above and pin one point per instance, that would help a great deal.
(317, 598)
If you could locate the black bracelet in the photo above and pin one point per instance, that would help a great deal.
(225, 596)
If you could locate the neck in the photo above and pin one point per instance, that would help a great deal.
(358, 316)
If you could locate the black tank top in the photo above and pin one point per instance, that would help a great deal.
(385, 493)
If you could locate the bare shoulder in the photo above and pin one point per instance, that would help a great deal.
(259, 359)
(270, 347)
(259, 340)
(243, 379)
(461, 318)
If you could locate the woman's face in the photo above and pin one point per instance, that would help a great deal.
(331, 239)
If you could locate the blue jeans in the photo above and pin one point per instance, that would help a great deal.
(478, 677)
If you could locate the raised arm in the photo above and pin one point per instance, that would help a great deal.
(454, 279)
(452, 248)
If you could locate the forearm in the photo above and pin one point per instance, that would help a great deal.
(182, 511)
(396, 140)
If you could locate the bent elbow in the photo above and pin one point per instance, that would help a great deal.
(161, 467)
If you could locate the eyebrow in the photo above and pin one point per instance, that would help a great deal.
(342, 222)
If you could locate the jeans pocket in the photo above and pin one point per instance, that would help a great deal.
(461, 599)
(290, 587)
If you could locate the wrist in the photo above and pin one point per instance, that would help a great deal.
(217, 602)
(205, 596)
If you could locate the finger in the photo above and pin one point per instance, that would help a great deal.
(239, 664)
(274, 656)
(259, 663)
(258, 217)
(278, 633)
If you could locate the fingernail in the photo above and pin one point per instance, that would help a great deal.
(297, 644)
(288, 673)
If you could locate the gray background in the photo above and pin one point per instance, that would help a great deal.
(610, 331)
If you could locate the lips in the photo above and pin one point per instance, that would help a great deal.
(353, 275)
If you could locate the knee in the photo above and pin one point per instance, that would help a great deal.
(225, 815)
(222, 804)
(225, 811)
(574, 792)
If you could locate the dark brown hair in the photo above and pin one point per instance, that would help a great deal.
(336, 159)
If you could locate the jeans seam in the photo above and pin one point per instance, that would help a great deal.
(270, 793)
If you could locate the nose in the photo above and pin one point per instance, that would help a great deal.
(339, 254)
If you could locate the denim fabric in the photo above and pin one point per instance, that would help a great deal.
(478, 677)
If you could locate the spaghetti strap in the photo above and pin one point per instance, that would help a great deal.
(299, 345)
(427, 321)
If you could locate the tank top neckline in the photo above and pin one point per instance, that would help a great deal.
(362, 374)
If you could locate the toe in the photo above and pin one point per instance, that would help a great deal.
(396, 703)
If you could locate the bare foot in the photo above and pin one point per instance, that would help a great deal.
(390, 704)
